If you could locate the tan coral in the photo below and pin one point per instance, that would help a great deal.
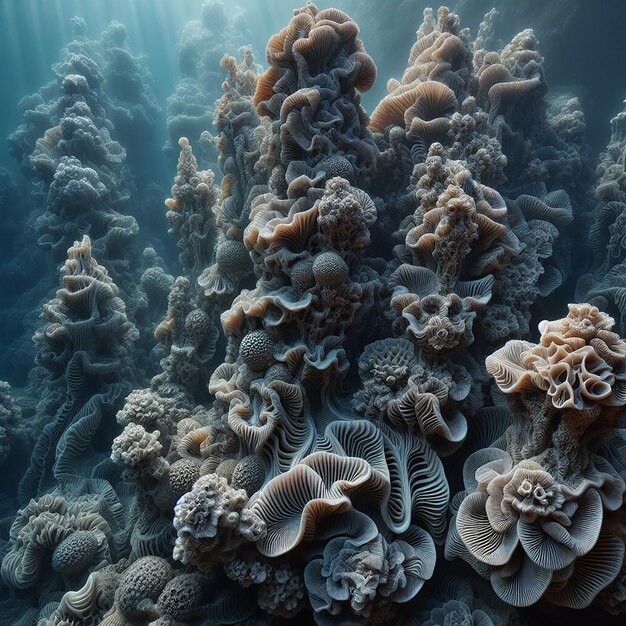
(579, 362)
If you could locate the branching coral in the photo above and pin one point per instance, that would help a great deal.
(212, 521)
(191, 212)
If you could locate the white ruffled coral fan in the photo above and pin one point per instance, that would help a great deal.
(579, 362)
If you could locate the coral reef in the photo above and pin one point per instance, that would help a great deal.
(345, 342)
(191, 107)
(85, 345)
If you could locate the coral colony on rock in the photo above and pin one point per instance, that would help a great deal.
(335, 407)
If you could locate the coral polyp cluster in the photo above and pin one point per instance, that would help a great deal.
(333, 409)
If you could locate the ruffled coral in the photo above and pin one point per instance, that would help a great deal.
(579, 362)
(73, 534)
(360, 270)
(535, 518)
(361, 577)
(212, 521)
(85, 344)
(318, 48)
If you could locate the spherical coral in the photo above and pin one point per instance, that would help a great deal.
(232, 256)
(278, 371)
(329, 269)
(257, 350)
(197, 326)
(141, 585)
(75, 553)
(226, 468)
(336, 166)
(182, 597)
(302, 277)
(182, 476)
(42, 526)
(249, 475)
(156, 283)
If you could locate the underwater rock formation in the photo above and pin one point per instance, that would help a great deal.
(346, 337)
(192, 106)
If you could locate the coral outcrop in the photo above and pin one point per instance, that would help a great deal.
(536, 514)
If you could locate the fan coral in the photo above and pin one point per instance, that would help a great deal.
(311, 124)
(536, 535)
